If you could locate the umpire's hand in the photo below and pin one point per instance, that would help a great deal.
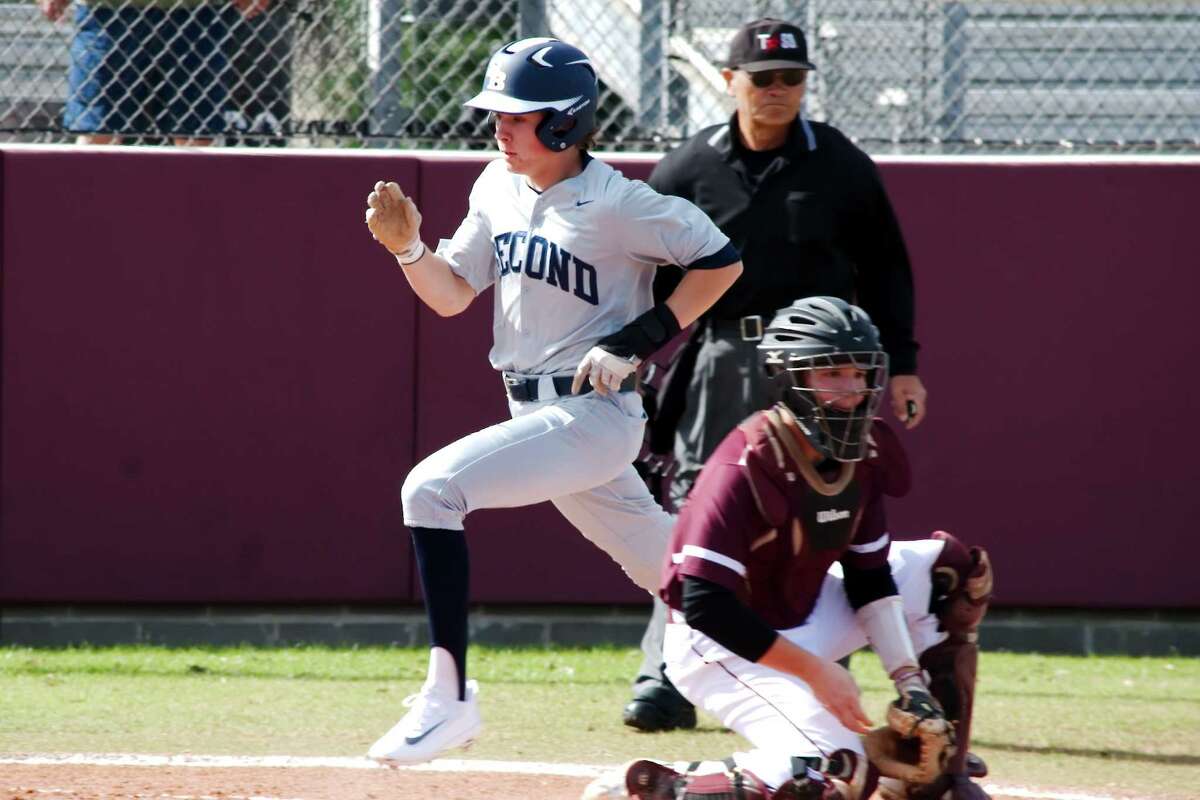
(393, 219)
(909, 399)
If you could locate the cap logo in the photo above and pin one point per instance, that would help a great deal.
(767, 42)
(495, 78)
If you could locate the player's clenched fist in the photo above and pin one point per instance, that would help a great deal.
(395, 222)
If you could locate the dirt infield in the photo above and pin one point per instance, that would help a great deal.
(89, 782)
(77, 782)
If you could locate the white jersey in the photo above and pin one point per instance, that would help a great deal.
(573, 263)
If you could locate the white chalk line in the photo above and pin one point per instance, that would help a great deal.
(303, 762)
(452, 765)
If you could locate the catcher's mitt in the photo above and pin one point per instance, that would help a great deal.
(916, 743)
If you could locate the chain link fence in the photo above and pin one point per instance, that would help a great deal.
(921, 76)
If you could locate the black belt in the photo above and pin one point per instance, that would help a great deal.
(748, 329)
(525, 390)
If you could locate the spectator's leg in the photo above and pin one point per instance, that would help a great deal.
(259, 78)
(194, 63)
(101, 74)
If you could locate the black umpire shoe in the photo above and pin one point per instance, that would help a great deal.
(658, 706)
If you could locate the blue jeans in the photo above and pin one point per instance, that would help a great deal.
(148, 70)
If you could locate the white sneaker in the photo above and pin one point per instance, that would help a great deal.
(436, 723)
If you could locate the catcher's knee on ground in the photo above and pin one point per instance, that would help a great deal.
(845, 775)
(645, 779)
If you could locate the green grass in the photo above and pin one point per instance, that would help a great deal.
(1120, 726)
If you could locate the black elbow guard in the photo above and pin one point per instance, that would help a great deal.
(718, 614)
(868, 585)
(644, 335)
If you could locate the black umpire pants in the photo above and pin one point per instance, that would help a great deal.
(724, 389)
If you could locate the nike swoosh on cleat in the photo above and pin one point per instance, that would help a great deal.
(417, 739)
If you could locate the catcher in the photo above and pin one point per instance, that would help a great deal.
(781, 564)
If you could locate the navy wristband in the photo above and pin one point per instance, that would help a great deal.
(644, 335)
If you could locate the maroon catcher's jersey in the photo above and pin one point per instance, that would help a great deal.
(762, 522)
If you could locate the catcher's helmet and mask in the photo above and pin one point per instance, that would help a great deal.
(543, 74)
(819, 333)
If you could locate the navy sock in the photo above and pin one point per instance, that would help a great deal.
(445, 571)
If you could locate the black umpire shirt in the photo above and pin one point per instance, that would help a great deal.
(811, 218)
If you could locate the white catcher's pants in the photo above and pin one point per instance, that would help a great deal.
(775, 712)
(576, 451)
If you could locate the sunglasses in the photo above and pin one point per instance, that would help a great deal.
(790, 77)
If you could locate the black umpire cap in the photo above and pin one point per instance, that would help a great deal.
(768, 43)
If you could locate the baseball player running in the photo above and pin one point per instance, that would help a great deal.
(759, 618)
(571, 247)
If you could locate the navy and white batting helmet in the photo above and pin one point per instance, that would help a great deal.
(821, 333)
(543, 74)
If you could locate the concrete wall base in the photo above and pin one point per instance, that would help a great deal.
(1137, 633)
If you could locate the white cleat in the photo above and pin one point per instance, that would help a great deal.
(435, 724)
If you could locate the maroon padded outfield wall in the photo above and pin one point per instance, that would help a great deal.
(213, 381)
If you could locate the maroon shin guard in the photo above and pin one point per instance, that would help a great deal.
(651, 780)
(951, 666)
(962, 589)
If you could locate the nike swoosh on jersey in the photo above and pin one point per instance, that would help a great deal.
(415, 739)
(579, 203)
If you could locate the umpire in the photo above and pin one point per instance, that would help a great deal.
(809, 213)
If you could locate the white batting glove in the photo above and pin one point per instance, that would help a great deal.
(605, 371)
(395, 222)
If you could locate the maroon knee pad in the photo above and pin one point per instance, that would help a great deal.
(962, 587)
